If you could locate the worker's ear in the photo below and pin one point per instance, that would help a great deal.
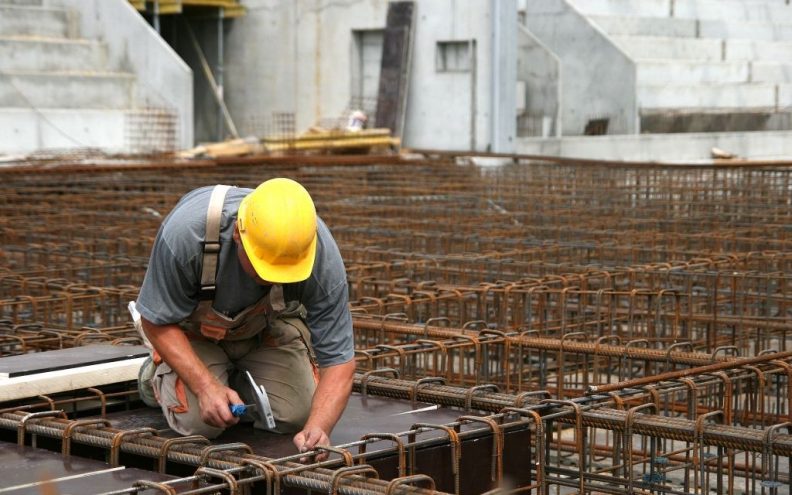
(236, 233)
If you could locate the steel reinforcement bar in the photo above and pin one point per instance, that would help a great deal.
(598, 416)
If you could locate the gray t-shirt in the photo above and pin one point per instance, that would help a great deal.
(170, 290)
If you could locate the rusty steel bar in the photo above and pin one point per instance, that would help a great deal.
(673, 375)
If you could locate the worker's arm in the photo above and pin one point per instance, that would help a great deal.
(329, 401)
(213, 397)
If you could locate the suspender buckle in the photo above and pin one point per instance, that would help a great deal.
(206, 292)
(211, 247)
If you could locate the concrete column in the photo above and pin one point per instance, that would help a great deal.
(503, 126)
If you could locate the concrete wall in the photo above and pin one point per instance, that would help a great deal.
(163, 79)
(665, 148)
(27, 130)
(599, 79)
(540, 71)
(297, 56)
(294, 56)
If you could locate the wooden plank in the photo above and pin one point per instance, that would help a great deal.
(395, 67)
(42, 362)
(52, 382)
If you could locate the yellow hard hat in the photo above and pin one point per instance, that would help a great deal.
(277, 225)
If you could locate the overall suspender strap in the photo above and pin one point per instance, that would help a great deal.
(211, 248)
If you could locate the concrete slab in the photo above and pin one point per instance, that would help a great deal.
(765, 31)
(33, 21)
(647, 26)
(784, 96)
(23, 53)
(743, 10)
(26, 130)
(777, 51)
(29, 3)
(746, 95)
(66, 90)
(643, 8)
(655, 72)
(653, 47)
(766, 71)
(664, 148)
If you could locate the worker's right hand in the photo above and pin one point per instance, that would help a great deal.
(213, 401)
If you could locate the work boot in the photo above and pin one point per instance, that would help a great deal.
(145, 388)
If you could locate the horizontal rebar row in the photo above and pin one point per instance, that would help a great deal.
(513, 285)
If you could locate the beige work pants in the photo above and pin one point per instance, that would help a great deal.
(278, 359)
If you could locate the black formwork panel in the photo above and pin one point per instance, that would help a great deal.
(28, 470)
(367, 415)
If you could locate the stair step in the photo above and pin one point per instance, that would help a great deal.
(744, 10)
(27, 53)
(654, 72)
(674, 27)
(647, 26)
(714, 120)
(26, 3)
(34, 21)
(67, 90)
(775, 72)
(655, 47)
(758, 50)
(759, 31)
(642, 8)
(728, 96)
(701, 72)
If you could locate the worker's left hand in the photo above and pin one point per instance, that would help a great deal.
(310, 438)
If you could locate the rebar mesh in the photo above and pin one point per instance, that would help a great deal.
(514, 287)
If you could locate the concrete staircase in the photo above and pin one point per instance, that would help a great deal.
(703, 65)
(61, 91)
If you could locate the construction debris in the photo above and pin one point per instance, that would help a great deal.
(231, 148)
(314, 140)
(335, 140)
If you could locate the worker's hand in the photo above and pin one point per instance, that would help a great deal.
(310, 438)
(214, 401)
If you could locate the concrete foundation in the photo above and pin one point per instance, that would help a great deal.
(665, 148)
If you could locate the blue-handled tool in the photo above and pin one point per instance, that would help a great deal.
(240, 409)
(261, 405)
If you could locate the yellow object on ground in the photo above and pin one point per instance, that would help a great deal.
(333, 140)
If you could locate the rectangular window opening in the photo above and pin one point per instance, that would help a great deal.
(453, 56)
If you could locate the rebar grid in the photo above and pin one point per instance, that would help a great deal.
(531, 278)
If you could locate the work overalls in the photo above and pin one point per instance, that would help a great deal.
(269, 339)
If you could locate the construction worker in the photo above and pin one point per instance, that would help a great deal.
(247, 280)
